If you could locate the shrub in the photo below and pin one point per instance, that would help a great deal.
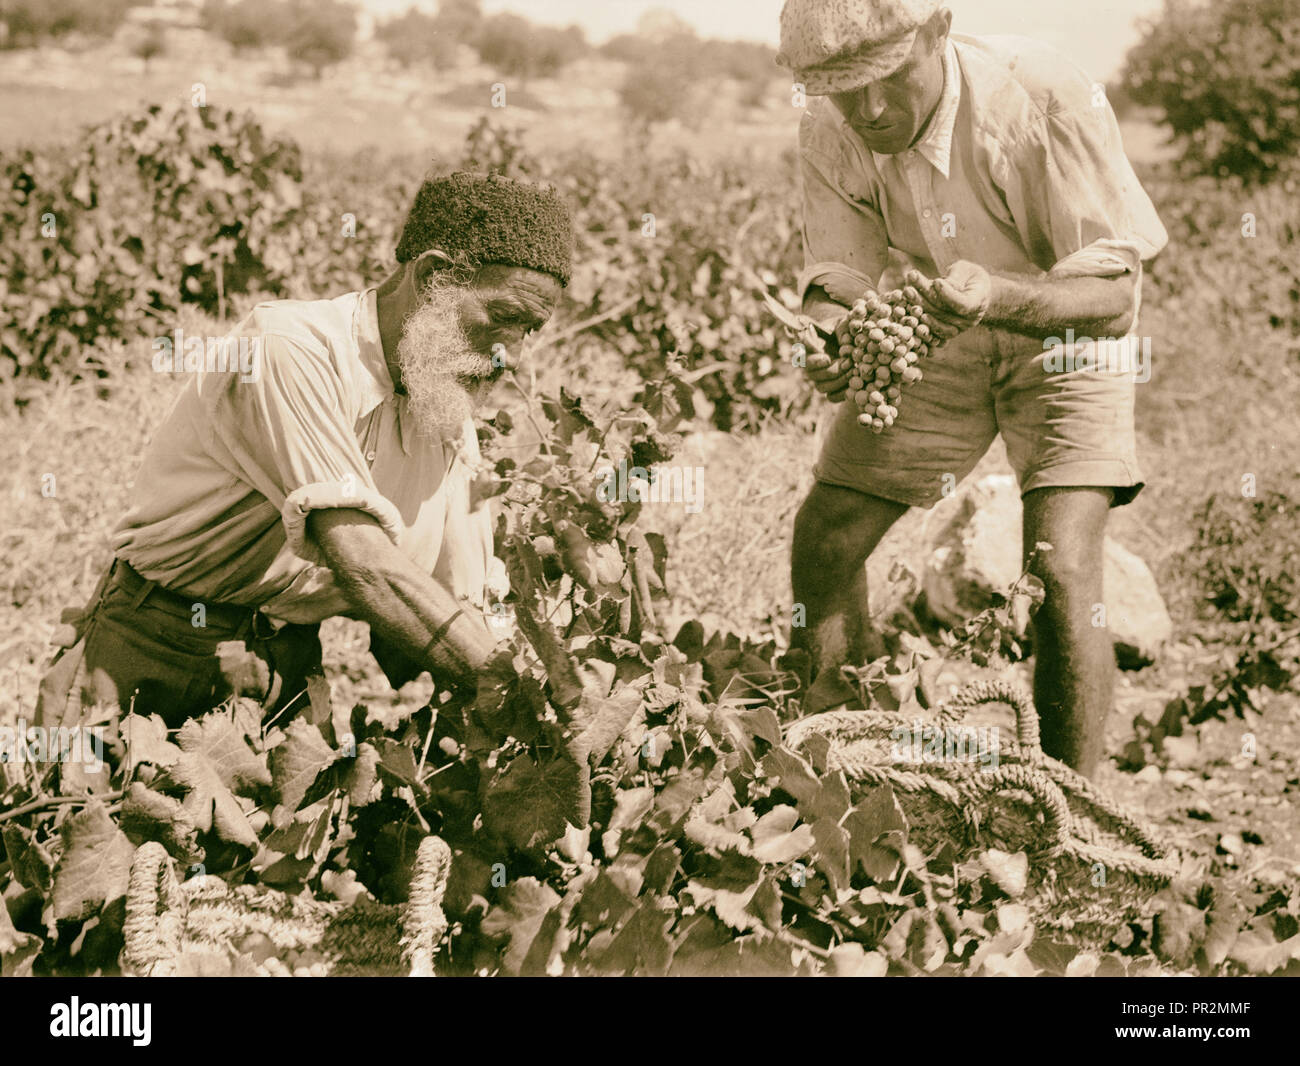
(319, 33)
(1226, 75)
(1244, 557)
(150, 211)
(628, 47)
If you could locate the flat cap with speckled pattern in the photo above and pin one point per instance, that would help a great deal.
(834, 46)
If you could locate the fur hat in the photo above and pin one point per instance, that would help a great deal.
(488, 218)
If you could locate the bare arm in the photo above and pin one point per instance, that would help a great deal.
(1041, 307)
(1035, 307)
(405, 605)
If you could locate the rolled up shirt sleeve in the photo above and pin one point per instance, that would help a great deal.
(1075, 200)
(289, 435)
(845, 244)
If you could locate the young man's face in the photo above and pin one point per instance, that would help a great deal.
(890, 113)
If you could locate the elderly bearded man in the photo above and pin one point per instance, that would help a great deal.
(994, 165)
(335, 482)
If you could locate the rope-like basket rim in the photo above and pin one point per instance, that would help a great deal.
(155, 912)
(1054, 785)
(157, 906)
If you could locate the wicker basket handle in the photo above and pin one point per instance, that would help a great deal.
(1051, 801)
(978, 692)
(155, 913)
(423, 922)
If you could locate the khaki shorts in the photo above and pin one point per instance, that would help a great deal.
(1062, 427)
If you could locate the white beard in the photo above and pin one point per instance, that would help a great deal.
(445, 377)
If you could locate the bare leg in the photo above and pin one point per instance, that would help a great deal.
(834, 532)
(1075, 662)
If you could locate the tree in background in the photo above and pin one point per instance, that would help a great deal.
(1226, 76)
(667, 61)
(416, 39)
(661, 80)
(460, 19)
(33, 22)
(627, 47)
(522, 49)
(246, 24)
(150, 41)
(752, 66)
(318, 33)
(321, 33)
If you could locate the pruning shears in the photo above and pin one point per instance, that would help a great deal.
(800, 325)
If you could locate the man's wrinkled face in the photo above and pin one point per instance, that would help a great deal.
(463, 337)
(889, 114)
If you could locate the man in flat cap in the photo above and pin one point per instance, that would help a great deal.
(332, 481)
(993, 165)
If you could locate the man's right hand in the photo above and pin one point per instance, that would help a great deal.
(829, 373)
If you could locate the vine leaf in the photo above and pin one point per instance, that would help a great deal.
(602, 720)
(149, 815)
(17, 950)
(95, 866)
(30, 860)
(146, 741)
(532, 802)
(561, 673)
(877, 816)
(641, 946)
(295, 764)
(216, 762)
(362, 775)
(778, 840)
(520, 915)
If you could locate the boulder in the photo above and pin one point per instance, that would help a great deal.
(1136, 615)
(976, 552)
(975, 549)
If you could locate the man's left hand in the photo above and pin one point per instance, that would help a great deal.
(957, 301)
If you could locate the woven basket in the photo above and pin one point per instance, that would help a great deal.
(1092, 865)
(200, 925)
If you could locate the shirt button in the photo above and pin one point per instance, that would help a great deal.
(927, 213)
(370, 457)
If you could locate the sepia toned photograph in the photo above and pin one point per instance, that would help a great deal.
(548, 488)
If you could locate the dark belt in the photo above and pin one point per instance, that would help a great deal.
(232, 618)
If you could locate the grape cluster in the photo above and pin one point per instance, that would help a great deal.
(884, 336)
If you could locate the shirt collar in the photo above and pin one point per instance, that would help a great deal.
(376, 383)
(376, 380)
(936, 146)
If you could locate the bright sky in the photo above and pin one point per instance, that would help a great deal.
(1096, 33)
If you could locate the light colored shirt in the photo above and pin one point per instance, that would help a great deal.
(221, 498)
(1021, 169)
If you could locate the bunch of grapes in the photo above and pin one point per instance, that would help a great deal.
(884, 336)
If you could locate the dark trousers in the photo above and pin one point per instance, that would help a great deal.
(137, 649)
